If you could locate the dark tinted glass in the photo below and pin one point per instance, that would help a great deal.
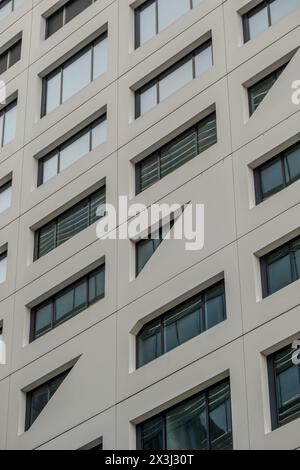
(15, 53)
(46, 239)
(259, 91)
(4, 62)
(54, 22)
(75, 7)
(149, 344)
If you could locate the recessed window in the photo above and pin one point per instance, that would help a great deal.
(155, 15)
(65, 14)
(67, 303)
(178, 151)
(281, 267)
(72, 150)
(202, 422)
(284, 382)
(265, 15)
(3, 266)
(174, 78)
(10, 57)
(182, 323)
(69, 223)
(146, 247)
(260, 90)
(75, 74)
(8, 6)
(277, 174)
(8, 121)
(5, 196)
(37, 399)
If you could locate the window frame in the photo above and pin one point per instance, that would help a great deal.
(63, 9)
(57, 150)
(60, 71)
(8, 52)
(282, 156)
(55, 220)
(168, 71)
(168, 313)
(52, 301)
(264, 267)
(163, 414)
(3, 112)
(276, 74)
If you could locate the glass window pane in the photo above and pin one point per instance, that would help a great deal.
(214, 309)
(196, 2)
(97, 205)
(288, 385)
(15, 53)
(220, 417)
(175, 80)
(279, 273)
(149, 344)
(3, 268)
(148, 172)
(5, 9)
(99, 133)
(1, 127)
(55, 383)
(258, 22)
(39, 399)
(100, 57)
(5, 197)
(183, 324)
(17, 3)
(53, 92)
(169, 11)
(281, 8)
(47, 239)
(148, 99)
(178, 152)
(147, 26)
(80, 295)
(50, 166)
(207, 133)
(74, 150)
(75, 7)
(72, 222)
(96, 285)
(187, 426)
(203, 60)
(43, 318)
(77, 75)
(152, 434)
(3, 62)
(54, 22)
(10, 123)
(64, 305)
(145, 250)
(259, 91)
(296, 251)
(292, 165)
(272, 178)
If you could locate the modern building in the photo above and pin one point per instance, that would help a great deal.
(140, 343)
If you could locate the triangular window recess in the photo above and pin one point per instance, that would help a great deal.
(259, 91)
(146, 247)
(38, 398)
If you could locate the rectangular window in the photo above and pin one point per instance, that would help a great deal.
(75, 74)
(8, 6)
(11, 56)
(175, 77)
(277, 173)
(37, 399)
(259, 91)
(265, 15)
(72, 150)
(284, 383)
(65, 14)
(155, 15)
(69, 223)
(67, 303)
(202, 422)
(182, 323)
(178, 151)
(5, 196)
(8, 121)
(3, 266)
(281, 267)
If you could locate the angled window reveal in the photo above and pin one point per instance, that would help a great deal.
(259, 91)
(180, 324)
(38, 398)
(175, 153)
